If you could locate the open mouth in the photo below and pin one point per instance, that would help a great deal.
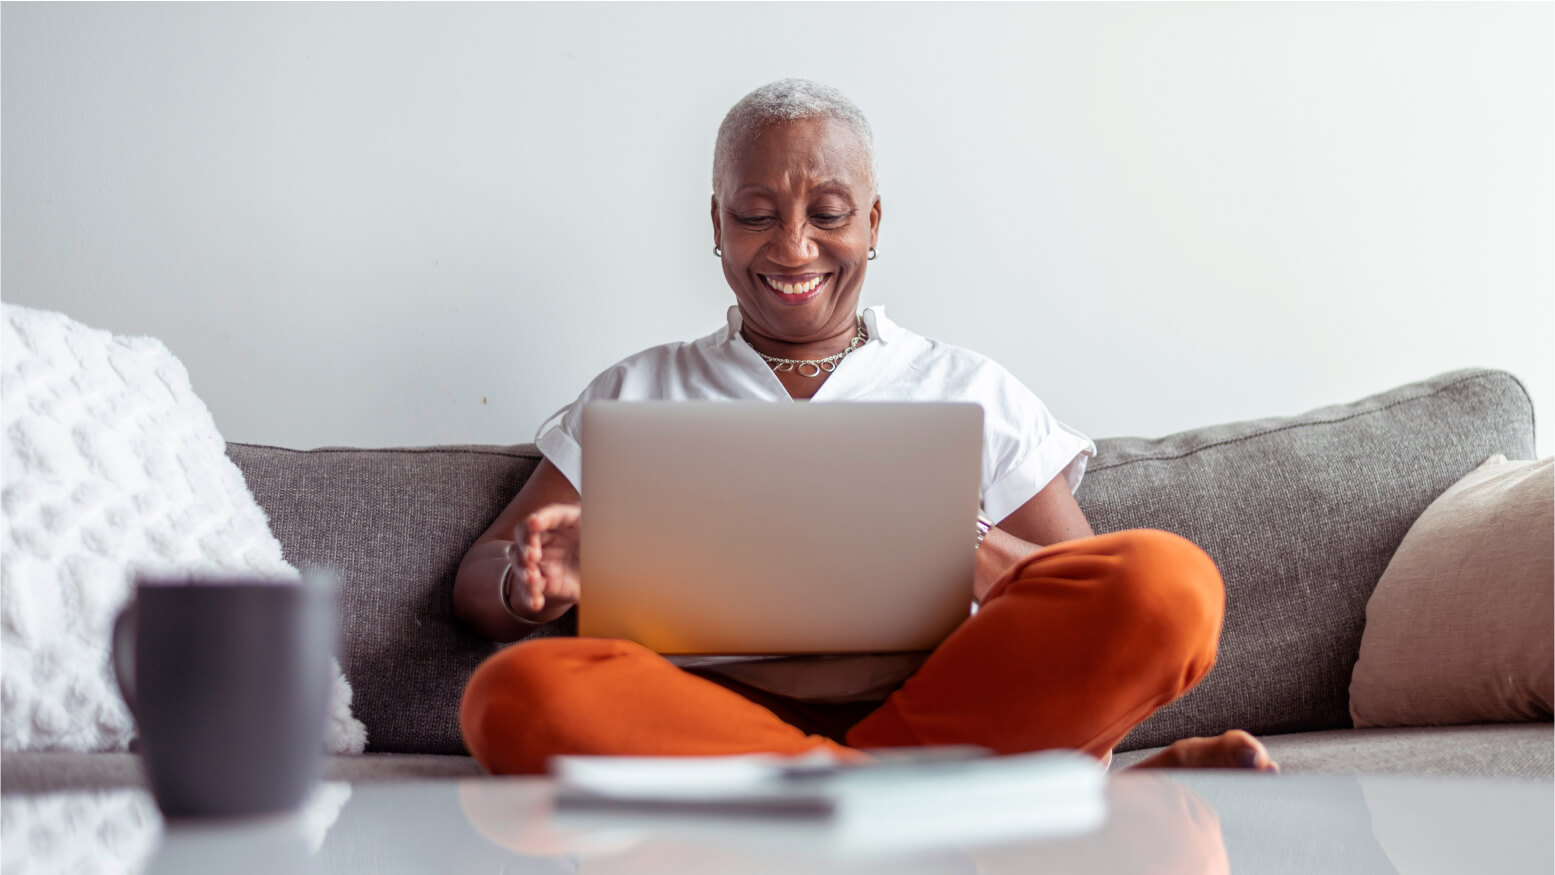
(795, 288)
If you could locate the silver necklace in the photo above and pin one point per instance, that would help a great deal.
(816, 366)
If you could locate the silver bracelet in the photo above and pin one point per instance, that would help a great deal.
(504, 593)
(983, 525)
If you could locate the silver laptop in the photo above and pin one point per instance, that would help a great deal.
(766, 528)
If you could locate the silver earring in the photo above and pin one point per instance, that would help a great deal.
(718, 252)
(872, 253)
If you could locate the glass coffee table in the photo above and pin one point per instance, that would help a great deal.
(1156, 822)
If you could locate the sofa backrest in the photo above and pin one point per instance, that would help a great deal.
(1301, 513)
(394, 525)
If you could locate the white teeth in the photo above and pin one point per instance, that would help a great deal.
(794, 288)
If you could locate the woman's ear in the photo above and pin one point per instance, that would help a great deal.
(717, 225)
(874, 224)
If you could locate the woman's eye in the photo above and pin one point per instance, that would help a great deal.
(753, 221)
(829, 218)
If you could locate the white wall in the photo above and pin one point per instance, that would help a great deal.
(406, 224)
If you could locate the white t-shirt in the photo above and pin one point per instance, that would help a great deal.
(1024, 448)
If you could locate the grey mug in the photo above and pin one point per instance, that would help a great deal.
(229, 683)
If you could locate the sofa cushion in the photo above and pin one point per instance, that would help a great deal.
(1301, 514)
(1503, 750)
(1459, 627)
(394, 524)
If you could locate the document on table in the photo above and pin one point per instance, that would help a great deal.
(905, 801)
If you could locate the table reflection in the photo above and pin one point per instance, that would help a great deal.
(1156, 822)
(98, 831)
(1153, 825)
(121, 831)
(256, 847)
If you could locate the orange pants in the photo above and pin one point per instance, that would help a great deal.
(1073, 647)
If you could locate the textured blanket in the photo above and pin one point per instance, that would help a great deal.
(111, 467)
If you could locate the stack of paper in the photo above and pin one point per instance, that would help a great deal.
(899, 804)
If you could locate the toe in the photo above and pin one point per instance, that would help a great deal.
(1235, 749)
(1248, 752)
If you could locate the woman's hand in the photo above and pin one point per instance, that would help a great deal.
(548, 503)
(545, 558)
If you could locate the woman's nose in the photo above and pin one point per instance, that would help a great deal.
(793, 246)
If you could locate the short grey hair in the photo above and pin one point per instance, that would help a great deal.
(789, 100)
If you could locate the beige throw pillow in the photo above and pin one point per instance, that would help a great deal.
(1459, 629)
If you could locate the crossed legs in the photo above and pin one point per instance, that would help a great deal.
(1073, 647)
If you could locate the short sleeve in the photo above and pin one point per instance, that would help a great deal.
(560, 438)
(1025, 448)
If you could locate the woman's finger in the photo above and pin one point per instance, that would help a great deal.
(540, 520)
(536, 559)
(554, 516)
(536, 586)
(537, 580)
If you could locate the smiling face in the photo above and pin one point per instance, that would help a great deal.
(795, 217)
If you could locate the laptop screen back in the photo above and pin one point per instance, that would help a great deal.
(763, 528)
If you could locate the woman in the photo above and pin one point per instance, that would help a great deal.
(1078, 638)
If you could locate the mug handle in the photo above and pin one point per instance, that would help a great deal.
(124, 653)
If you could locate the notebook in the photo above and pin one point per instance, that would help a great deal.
(905, 801)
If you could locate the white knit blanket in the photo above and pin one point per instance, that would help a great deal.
(111, 466)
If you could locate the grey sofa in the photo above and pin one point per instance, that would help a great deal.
(1301, 513)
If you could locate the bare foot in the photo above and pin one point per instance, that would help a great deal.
(1232, 750)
